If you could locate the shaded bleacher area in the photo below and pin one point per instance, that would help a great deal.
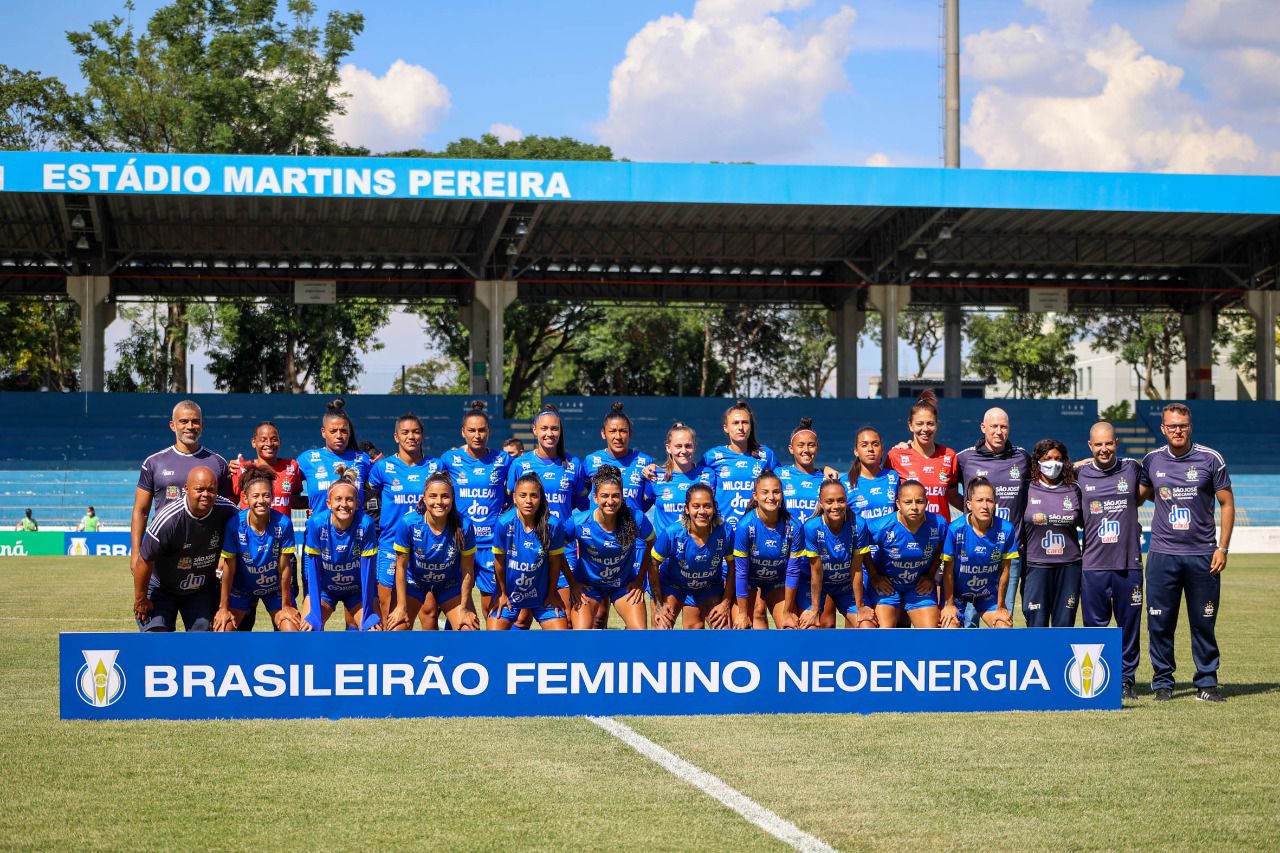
(61, 452)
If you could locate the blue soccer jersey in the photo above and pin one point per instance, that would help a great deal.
(800, 490)
(689, 570)
(763, 555)
(257, 555)
(636, 490)
(602, 563)
(321, 467)
(904, 557)
(840, 553)
(434, 559)
(872, 498)
(976, 559)
(339, 565)
(563, 481)
(736, 475)
(670, 495)
(400, 485)
(528, 564)
(479, 490)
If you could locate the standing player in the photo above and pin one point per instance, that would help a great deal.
(690, 568)
(768, 545)
(925, 461)
(480, 491)
(976, 555)
(738, 463)
(397, 482)
(1185, 555)
(802, 479)
(1111, 576)
(528, 555)
(835, 542)
(905, 557)
(173, 569)
(1054, 514)
(674, 479)
(164, 474)
(616, 432)
(872, 492)
(339, 559)
(611, 541)
(324, 466)
(286, 484)
(258, 548)
(1005, 466)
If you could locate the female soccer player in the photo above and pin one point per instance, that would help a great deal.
(258, 548)
(908, 551)
(738, 463)
(398, 482)
(674, 479)
(802, 479)
(1051, 550)
(480, 491)
(768, 543)
(323, 466)
(872, 489)
(690, 568)
(287, 484)
(835, 541)
(616, 432)
(435, 562)
(528, 555)
(977, 549)
(339, 559)
(925, 461)
(611, 542)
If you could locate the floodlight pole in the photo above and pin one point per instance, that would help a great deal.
(951, 146)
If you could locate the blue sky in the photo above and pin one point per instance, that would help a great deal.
(1139, 85)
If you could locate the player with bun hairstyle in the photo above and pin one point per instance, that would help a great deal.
(690, 566)
(768, 544)
(616, 432)
(611, 542)
(528, 555)
(398, 481)
(675, 477)
(836, 542)
(924, 460)
(339, 559)
(435, 562)
(908, 550)
(323, 466)
(258, 548)
(480, 491)
(977, 551)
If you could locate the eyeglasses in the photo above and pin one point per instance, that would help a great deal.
(1176, 427)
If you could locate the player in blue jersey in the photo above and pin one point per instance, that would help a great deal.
(258, 548)
(802, 479)
(690, 566)
(339, 560)
(673, 479)
(435, 562)
(872, 493)
(906, 555)
(616, 432)
(835, 542)
(738, 463)
(480, 490)
(322, 466)
(768, 543)
(397, 481)
(976, 552)
(611, 541)
(528, 557)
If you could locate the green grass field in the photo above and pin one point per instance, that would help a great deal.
(1181, 775)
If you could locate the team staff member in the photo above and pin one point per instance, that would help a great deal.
(1185, 553)
(164, 473)
(690, 566)
(397, 482)
(173, 572)
(905, 560)
(324, 466)
(637, 491)
(339, 559)
(1111, 576)
(1051, 544)
(90, 523)
(1007, 468)
(258, 548)
(976, 555)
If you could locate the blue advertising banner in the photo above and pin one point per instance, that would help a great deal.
(121, 676)
(114, 543)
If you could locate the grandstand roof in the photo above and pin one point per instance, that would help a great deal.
(630, 231)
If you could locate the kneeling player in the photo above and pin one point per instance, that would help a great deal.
(528, 559)
(689, 566)
(340, 556)
(258, 548)
(835, 542)
(978, 547)
(767, 544)
(611, 542)
(907, 554)
(435, 562)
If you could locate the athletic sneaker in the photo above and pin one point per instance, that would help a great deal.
(1210, 694)
(1164, 694)
(1126, 692)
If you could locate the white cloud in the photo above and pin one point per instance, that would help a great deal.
(393, 111)
(1103, 103)
(506, 132)
(1230, 23)
(879, 159)
(731, 82)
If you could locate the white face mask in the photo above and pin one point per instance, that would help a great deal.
(1051, 468)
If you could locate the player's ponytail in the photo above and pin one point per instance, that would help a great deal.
(805, 425)
(615, 413)
(477, 409)
(926, 402)
(256, 474)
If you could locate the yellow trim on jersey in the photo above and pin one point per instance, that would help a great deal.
(653, 534)
(227, 555)
(309, 550)
(807, 553)
(554, 552)
(288, 549)
(372, 552)
(1012, 556)
(653, 552)
(738, 553)
(498, 550)
(866, 550)
(400, 549)
(471, 551)
(947, 558)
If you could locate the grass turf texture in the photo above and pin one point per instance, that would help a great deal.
(1178, 775)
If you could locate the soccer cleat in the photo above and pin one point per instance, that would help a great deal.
(1164, 694)
(1126, 692)
(1210, 694)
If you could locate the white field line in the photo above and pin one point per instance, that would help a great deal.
(781, 829)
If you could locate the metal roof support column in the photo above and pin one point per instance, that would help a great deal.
(1263, 305)
(494, 296)
(1197, 327)
(889, 299)
(91, 293)
(953, 323)
(846, 324)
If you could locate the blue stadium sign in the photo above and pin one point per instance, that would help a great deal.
(120, 676)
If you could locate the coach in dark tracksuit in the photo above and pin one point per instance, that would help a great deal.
(1185, 557)
(1111, 580)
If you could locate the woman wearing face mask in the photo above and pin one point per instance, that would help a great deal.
(1051, 577)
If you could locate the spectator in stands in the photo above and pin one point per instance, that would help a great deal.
(1054, 514)
(90, 523)
(165, 473)
(1187, 555)
(173, 569)
(27, 524)
(513, 447)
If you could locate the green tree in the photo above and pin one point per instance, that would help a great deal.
(34, 110)
(647, 352)
(433, 376)
(1151, 342)
(808, 356)
(143, 360)
(40, 347)
(489, 147)
(1020, 348)
(922, 331)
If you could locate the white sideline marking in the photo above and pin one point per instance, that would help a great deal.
(783, 830)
